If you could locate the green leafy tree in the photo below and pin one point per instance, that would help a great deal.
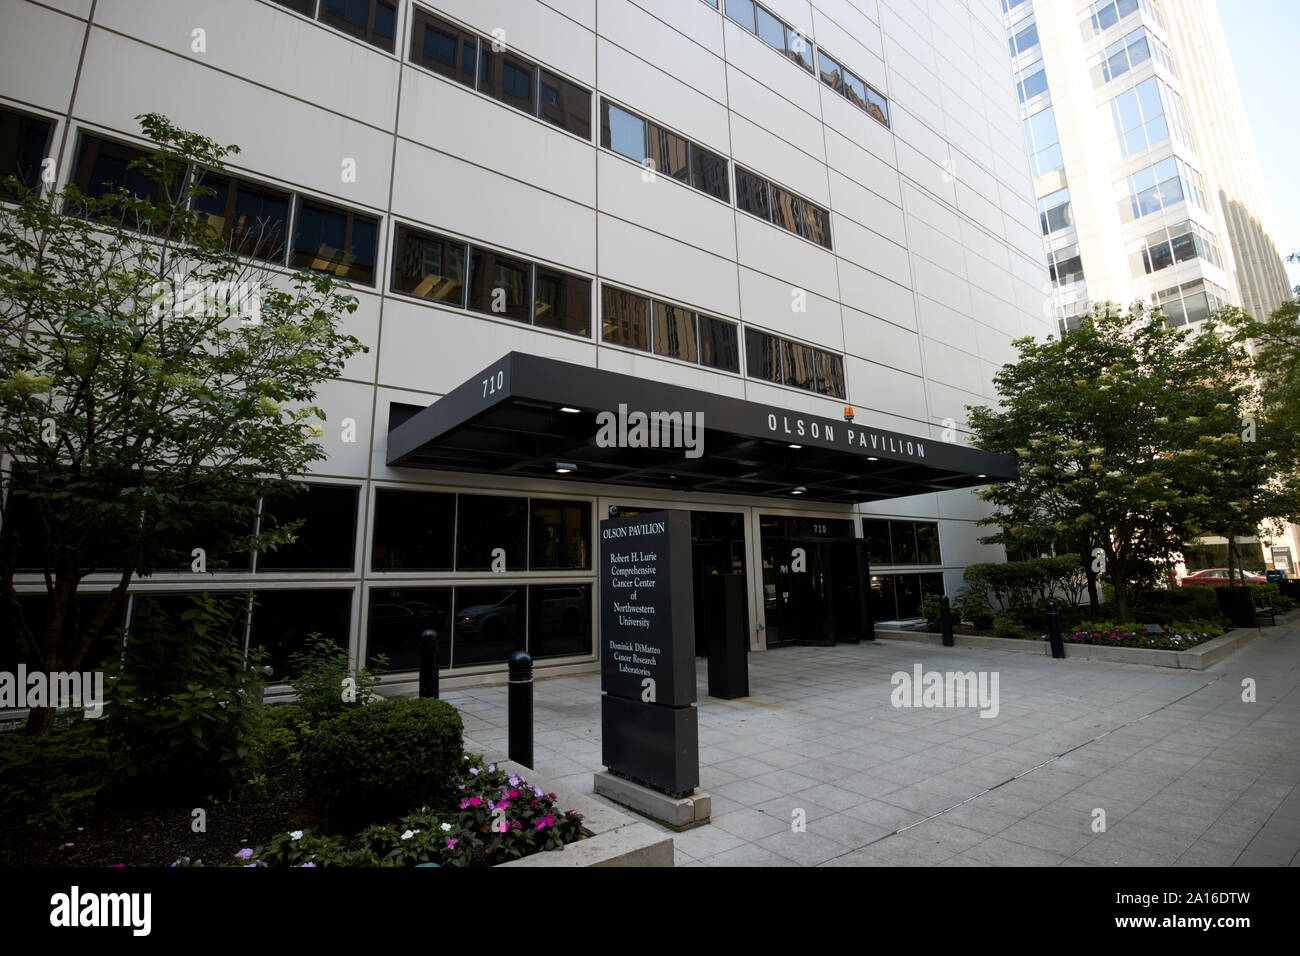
(153, 385)
(1129, 435)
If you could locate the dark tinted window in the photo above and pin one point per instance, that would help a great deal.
(397, 618)
(830, 374)
(762, 355)
(669, 153)
(625, 318)
(414, 530)
(907, 588)
(563, 302)
(816, 224)
(799, 365)
(282, 620)
(927, 543)
(101, 168)
(561, 534)
(751, 194)
(374, 21)
(787, 210)
(709, 173)
(488, 624)
(884, 605)
(444, 48)
(902, 535)
(560, 620)
(719, 347)
(429, 266)
(253, 220)
(35, 606)
(325, 540)
(508, 78)
(674, 332)
(334, 240)
(24, 141)
(488, 522)
(565, 104)
(499, 285)
(302, 6)
(876, 534)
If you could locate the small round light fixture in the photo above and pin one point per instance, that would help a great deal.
(981, 476)
(870, 458)
(564, 467)
(798, 491)
(794, 446)
(570, 411)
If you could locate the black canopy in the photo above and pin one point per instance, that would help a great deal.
(532, 416)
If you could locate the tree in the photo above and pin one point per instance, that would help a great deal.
(153, 385)
(1130, 434)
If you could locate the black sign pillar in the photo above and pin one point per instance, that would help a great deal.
(649, 728)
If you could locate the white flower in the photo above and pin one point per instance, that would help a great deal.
(446, 827)
(409, 833)
(295, 834)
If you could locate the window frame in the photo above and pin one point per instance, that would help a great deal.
(367, 33)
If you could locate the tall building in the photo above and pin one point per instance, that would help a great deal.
(809, 223)
(1145, 173)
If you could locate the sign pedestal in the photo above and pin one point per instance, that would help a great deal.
(649, 725)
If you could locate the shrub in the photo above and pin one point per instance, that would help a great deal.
(322, 685)
(972, 606)
(1018, 586)
(382, 759)
(184, 708)
(52, 781)
(931, 610)
(1006, 625)
(1165, 605)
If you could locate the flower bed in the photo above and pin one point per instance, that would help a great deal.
(498, 817)
(1179, 638)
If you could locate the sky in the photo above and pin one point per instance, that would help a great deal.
(1262, 37)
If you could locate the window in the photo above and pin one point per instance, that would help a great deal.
(1106, 13)
(101, 169)
(327, 537)
(485, 523)
(302, 6)
(876, 534)
(335, 240)
(742, 11)
(1043, 142)
(623, 132)
(718, 344)
(1128, 52)
(24, 141)
(830, 374)
(763, 356)
(772, 31)
(561, 535)
(508, 78)
(709, 173)
(562, 302)
(626, 318)
(901, 542)
(674, 332)
(769, 201)
(1158, 187)
(1065, 266)
(848, 85)
(1140, 116)
(565, 104)
(283, 620)
(1023, 36)
(430, 267)
(927, 542)
(668, 153)
(559, 620)
(397, 618)
(798, 364)
(499, 285)
(1181, 243)
(1031, 81)
(1054, 212)
(443, 48)
(1191, 302)
(488, 624)
(751, 194)
(414, 530)
(253, 220)
(374, 21)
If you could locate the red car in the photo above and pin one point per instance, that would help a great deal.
(1218, 577)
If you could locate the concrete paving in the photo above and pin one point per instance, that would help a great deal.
(1185, 772)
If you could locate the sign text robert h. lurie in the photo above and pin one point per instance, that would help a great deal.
(865, 439)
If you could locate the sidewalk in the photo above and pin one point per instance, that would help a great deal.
(1186, 773)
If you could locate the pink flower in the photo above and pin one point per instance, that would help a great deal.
(245, 853)
(540, 824)
(464, 804)
(451, 843)
(504, 804)
(475, 801)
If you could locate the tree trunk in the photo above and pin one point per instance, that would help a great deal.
(40, 721)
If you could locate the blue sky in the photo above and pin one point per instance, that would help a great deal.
(1262, 37)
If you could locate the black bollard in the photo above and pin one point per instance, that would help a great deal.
(1054, 631)
(519, 708)
(429, 663)
(945, 621)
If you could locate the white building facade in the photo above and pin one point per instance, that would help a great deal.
(799, 206)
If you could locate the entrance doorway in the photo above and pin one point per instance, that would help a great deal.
(816, 576)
